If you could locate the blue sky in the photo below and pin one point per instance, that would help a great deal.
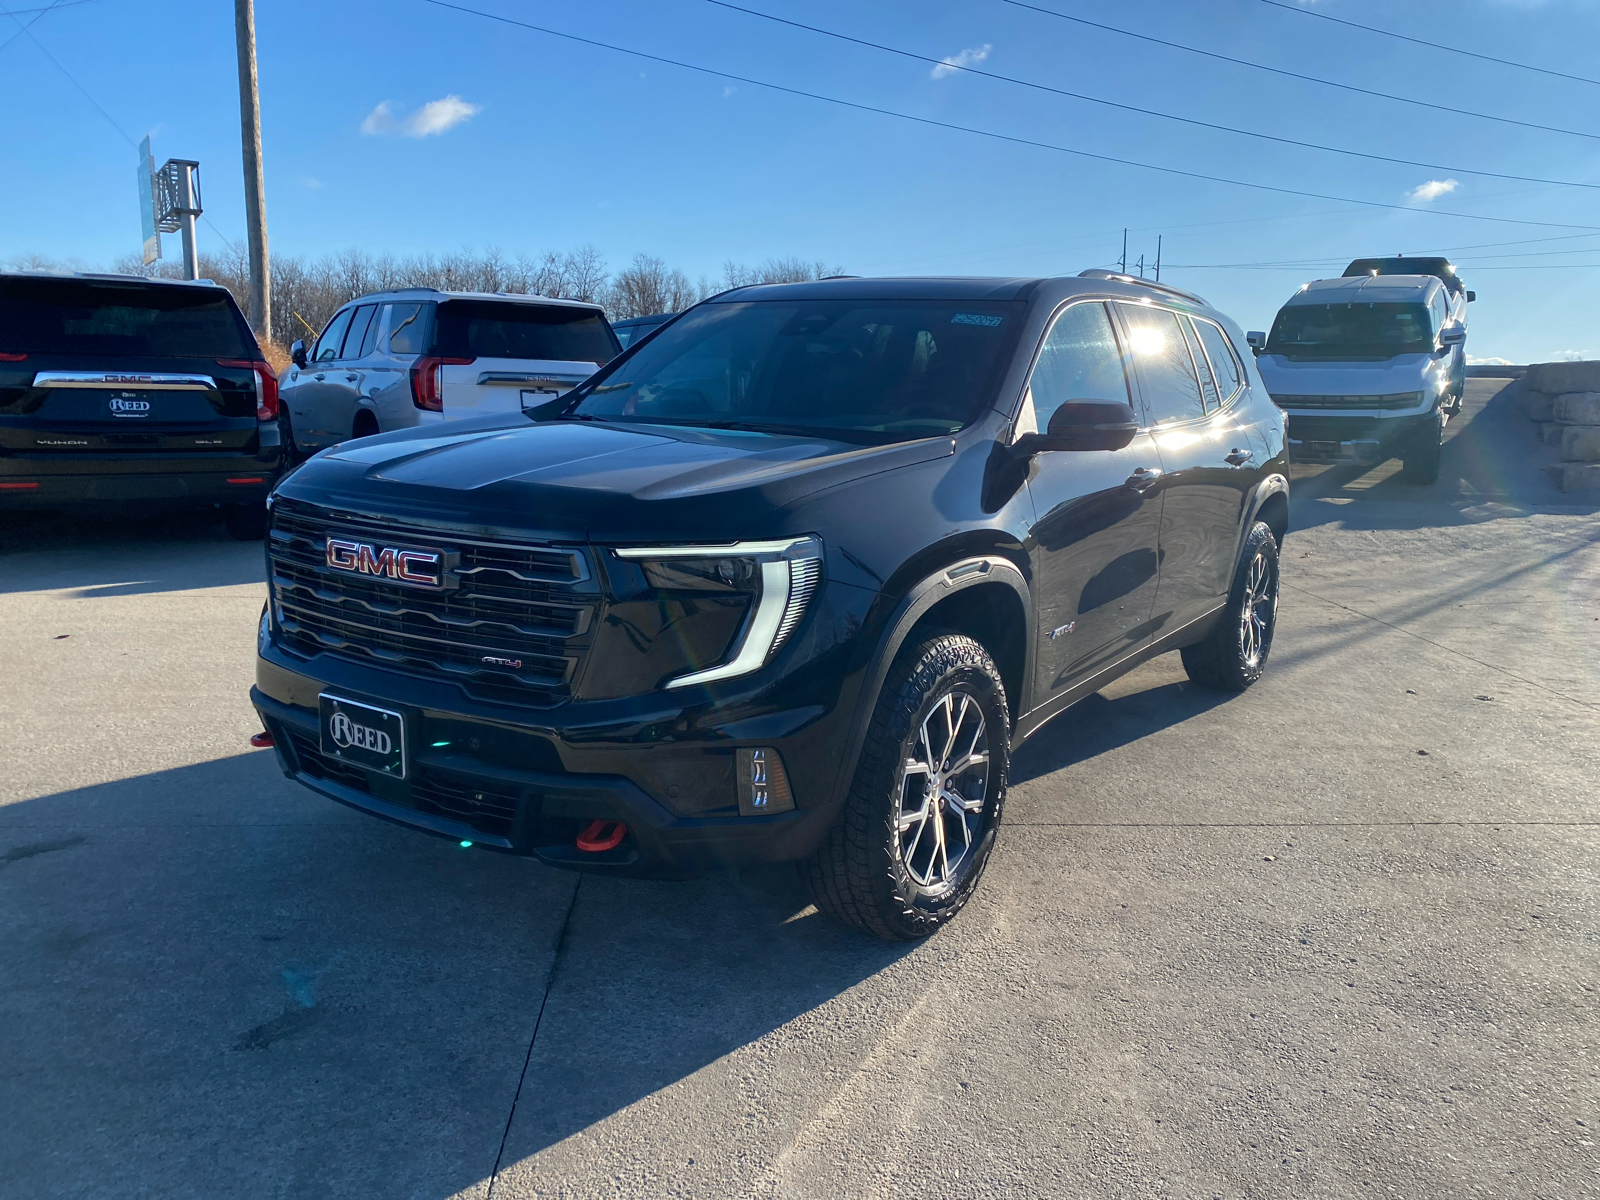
(489, 134)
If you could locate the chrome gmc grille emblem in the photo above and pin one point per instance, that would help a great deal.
(419, 568)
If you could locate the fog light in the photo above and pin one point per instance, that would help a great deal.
(763, 783)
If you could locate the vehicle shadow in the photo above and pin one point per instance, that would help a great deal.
(1098, 724)
(123, 553)
(220, 983)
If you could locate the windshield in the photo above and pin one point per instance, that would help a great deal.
(94, 317)
(1351, 331)
(868, 370)
(487, 329)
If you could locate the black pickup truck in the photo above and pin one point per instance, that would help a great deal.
(117, 390)
(787, 580)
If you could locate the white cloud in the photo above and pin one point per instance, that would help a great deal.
(949, 66)
(1432, 190)
(1572, 356)
(434, 117)
(311, 181)
(728, 91)
(1474, 361)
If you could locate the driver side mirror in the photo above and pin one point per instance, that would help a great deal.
(297, 354)
(1083, 425)
(1257, 341)
(1471, 295)
(1452, 335)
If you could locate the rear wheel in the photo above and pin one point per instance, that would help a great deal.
(1422, 455)
(1234, 655)
(924, 807)
(292, 454)
(366, 425)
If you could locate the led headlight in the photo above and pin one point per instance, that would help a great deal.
(783, 574)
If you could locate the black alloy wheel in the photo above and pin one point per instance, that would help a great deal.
(1234, 654)
(1423, 455)
(925, 804)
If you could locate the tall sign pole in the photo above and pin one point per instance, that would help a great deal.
(255, 204)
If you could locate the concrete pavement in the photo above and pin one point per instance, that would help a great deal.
(1335, 937)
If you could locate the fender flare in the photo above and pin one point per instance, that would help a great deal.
(919, 599)
(1273, 485)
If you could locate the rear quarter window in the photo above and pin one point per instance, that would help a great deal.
(104, 318)
(485, 329)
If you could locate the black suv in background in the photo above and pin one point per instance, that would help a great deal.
(121, 390)
(788, 580)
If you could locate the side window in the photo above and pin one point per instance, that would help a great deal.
(1441, 311)
(1171, 388)
(328, 344)
(1224, 360)
(359, 324)
(370, 342)
(1208, 383)
(407, 328)
(1080, 360)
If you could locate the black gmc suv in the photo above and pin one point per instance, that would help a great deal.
(121, 390)
(788, 580)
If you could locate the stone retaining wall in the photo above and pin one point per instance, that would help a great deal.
(1564, 398)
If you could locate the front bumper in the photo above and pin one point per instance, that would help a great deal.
(526, 781)
(1319, 437)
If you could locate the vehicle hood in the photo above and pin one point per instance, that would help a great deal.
(1304, 377)
(571, 480)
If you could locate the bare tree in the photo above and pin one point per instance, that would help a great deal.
(776, 270)
(646, 286)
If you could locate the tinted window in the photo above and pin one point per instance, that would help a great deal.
(485, 329)
(874, 370)
(1223, 359)
(408, 328)
(1171, 388)
(359, 325)
(370, 342)
(1208, 383)
(1350, 331)
(90, 317)
(1080, 360)
(328, 344)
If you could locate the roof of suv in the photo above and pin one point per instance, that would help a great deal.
(1366, 289)
(413, 293)
(112, 277)
(950, 287)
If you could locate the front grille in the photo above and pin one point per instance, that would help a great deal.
(513, 620)
(488, 807)
(1399, 400)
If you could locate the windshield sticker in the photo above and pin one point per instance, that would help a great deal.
(975, 319)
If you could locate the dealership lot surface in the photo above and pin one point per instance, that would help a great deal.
(1335, 936)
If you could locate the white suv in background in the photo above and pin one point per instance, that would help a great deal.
(392, 360)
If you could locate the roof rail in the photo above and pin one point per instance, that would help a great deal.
(1100, 273)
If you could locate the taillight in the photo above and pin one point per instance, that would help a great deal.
(266, 385)
(427, 380)
(13, 357)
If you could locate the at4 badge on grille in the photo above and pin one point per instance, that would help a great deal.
(418, 568)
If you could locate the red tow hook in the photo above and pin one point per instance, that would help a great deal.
(263, 740)
(599, 835)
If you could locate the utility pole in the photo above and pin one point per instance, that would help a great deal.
(1122, 263)
(1141, 266)
(255, 204)
(1158, 258)
(188, 209)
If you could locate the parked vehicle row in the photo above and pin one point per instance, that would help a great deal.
(788, 579)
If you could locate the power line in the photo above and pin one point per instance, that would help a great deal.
(18, 18)
(1149, 112)
(1453, 110)
(28, 29)
(1504, 62)
(1003, 137)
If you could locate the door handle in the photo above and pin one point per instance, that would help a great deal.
(1238, 458)
(320, 376)
(1141, 479)
(351, 378)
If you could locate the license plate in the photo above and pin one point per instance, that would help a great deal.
(369, 737)
(1329, 448)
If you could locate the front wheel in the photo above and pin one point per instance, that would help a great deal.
(1234, 654)
(1423, 455)
(924, 807)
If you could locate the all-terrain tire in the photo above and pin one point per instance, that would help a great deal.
(879, 869)
(1234, 654)
(1422, 457)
